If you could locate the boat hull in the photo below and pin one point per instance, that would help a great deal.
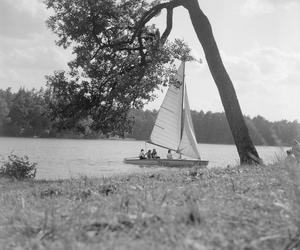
(166, 162)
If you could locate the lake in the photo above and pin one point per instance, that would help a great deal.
(65, 158)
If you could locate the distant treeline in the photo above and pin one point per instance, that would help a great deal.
(213, 128)
(27, 113)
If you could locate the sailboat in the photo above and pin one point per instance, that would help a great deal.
(173, 128)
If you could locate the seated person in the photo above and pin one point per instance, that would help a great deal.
(169, 154)
(154, 154)
(149, 156)
(142, 155)
(290, 159)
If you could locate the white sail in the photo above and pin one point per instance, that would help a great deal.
(167, 128)
(188, 143)
(173, 127)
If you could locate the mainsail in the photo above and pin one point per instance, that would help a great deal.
(173, 127)
(167, 128)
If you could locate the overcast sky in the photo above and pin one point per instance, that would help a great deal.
(259, 41)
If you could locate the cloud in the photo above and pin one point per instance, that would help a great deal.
(28, 67)
(27, 48)
(254, 7)
(260, 7)
(34, 7)
(39, 57)
(281, 2)
(267, 65)
(20, 20)
(267, 81)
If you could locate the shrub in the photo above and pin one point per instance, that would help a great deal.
(18, 167)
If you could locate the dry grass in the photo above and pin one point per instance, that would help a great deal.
(234, 208)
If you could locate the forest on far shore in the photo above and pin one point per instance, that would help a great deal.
(26, 113)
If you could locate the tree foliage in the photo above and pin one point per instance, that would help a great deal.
(116, 67)
(25, 112)
(18, 167)
(3, 111)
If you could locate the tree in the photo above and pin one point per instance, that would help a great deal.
(28, 114)
(109, 75)
(5, 104)
(143, 124)
(19, 111)
(3, 112)
(116, 32)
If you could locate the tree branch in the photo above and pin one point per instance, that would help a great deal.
(169, 26)
(154, 11)
(145, 19)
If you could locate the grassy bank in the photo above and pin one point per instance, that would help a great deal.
(238, 208)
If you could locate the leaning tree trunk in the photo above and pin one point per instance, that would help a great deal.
(243, 142)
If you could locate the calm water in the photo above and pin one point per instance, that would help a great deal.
(64, 158)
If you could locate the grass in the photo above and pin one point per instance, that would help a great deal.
(234, 208)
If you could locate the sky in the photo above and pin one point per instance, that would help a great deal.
(259, 42)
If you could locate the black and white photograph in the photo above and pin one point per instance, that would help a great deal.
(150, 124)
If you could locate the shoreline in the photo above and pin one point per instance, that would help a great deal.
(128, 139)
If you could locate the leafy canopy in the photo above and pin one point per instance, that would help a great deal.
(117, 65)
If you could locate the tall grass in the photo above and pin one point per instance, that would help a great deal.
(291, 204)
(232, 208)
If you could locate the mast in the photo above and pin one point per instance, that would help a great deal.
(182, 100)
(182, 106)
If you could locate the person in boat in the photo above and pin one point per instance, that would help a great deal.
(169, 154)
(154, 154)
(149, 156)
(290, 159)
(296, 150)
(142, 155)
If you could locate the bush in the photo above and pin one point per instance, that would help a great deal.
(18, 167)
